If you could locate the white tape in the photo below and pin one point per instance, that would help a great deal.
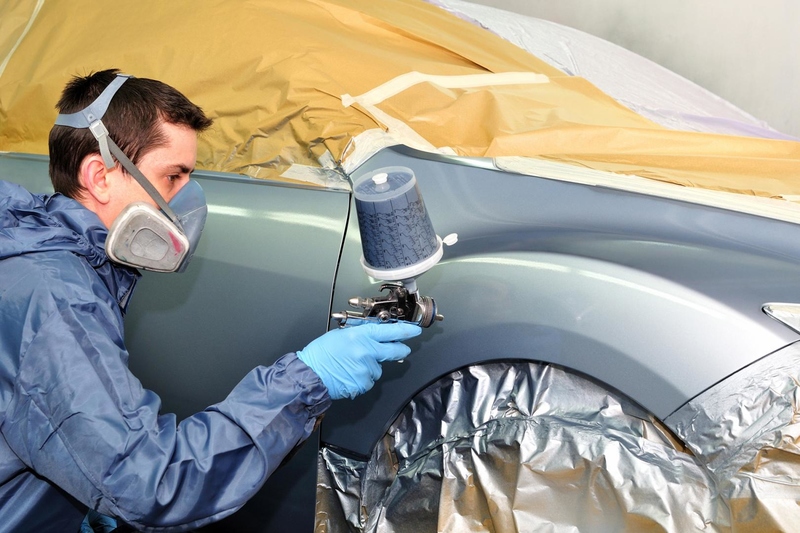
(397, 131)
(409, 79)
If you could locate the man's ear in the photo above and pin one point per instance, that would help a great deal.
(95, 179)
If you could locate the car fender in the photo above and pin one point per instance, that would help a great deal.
(660, 314)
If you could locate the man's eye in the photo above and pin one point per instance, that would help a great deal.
(174, 177)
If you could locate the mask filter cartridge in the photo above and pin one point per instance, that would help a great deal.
(144, 237)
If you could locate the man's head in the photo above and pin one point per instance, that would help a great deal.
(151, 130)
(134, 119)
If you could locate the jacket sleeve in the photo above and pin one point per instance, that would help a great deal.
(80, 419)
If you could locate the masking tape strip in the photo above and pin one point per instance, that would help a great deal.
(399, 129)
(774, 208)
(409, 79)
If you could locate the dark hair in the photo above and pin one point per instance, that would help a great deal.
(133, 120)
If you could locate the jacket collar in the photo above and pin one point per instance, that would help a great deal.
(38, 223)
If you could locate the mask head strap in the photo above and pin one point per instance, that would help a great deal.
(90, 117)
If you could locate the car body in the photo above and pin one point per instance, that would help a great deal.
(652, 290)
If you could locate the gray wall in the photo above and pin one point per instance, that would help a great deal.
(746, 51)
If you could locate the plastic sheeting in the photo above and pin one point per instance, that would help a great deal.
(525, 447)
(273, 74)
(636, 82)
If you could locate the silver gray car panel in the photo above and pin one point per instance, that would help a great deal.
(657, 298)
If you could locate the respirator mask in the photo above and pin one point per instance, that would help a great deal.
(142, 236)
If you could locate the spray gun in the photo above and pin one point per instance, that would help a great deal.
(400, 303)
(398, 244)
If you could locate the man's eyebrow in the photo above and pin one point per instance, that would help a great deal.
(183, 169)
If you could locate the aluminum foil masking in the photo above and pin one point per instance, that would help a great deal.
(528, 447)
(746, 431)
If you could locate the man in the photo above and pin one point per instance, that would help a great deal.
(79, 431)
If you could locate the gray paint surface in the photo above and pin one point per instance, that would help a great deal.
(258, 287)
(657, 298)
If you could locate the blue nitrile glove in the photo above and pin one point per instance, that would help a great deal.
(347, 360)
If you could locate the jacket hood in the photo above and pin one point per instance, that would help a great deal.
(45, 223)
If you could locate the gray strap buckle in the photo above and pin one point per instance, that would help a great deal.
(90, 117)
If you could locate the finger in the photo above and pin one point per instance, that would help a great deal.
(392, 351)
(395, 331)
(348, 392)
(373, 367)
(366, 387)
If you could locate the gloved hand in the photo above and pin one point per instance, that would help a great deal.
(347, 360)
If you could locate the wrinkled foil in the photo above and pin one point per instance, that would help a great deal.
(528, 447)
(746, 431)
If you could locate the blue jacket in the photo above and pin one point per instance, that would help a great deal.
(78, 429)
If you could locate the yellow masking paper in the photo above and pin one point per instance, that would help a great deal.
(271, 73)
